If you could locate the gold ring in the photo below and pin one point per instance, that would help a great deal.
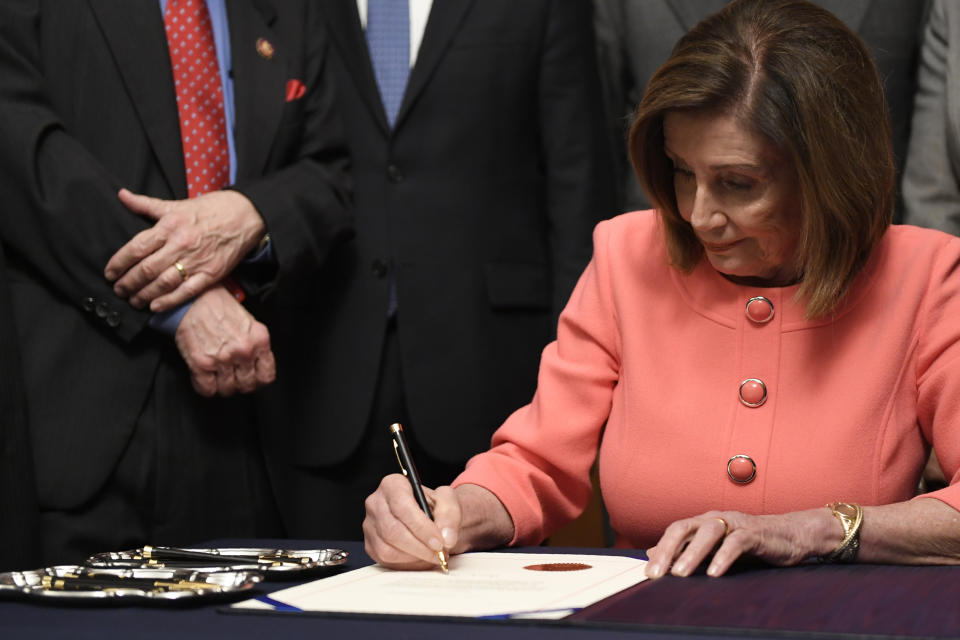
(179, 267)
(726, 527)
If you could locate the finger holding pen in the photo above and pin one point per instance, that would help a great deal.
(447, 515)
(397, 532)
(404, 455)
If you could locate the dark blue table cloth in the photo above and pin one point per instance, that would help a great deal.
(754, 601)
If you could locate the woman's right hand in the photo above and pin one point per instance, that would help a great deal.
(399, 535)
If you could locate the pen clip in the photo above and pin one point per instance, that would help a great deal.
(396, 452)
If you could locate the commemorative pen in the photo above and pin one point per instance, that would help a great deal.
(161, 556)
(409, 469)
(101, 582)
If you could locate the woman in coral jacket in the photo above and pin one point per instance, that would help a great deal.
(761, 345)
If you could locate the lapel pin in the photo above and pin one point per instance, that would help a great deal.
(264, 48)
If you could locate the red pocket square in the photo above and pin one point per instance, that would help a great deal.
(295, 90)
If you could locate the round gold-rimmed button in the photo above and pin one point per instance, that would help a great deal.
(753, 392)
(741, 469)
(759, 310)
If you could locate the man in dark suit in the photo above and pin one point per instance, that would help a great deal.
(19, 526)
(128, 450)
(475, 196)
(635, 38)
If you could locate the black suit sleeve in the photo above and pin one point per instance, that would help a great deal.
(61, 215)
(304, 203)
(619, 90)
(580, 183)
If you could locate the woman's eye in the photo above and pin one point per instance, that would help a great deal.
(737, 185)
(682, 173)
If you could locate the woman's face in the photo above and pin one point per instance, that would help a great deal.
(740, 195)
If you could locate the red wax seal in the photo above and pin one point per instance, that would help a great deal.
(558, 566)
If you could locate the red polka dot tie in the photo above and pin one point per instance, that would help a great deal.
(196, 76)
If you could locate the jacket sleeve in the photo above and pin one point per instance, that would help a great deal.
(305, 202)
(60, 213)
(938, 369)
(617, 82)
(930, 184)
(540, 460)
(581, 186)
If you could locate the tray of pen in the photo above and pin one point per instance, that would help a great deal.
(271, 562)
(74, 582)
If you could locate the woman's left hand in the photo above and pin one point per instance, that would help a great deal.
(785, 539)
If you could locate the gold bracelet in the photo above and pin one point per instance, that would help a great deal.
(850, 516)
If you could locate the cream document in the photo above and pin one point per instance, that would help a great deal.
(493, 585)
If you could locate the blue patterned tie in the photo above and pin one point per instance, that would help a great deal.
(388, 36)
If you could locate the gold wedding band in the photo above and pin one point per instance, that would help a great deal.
(726, 527)
(183, 271)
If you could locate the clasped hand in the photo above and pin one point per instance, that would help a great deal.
(206, 236)
(226, 349)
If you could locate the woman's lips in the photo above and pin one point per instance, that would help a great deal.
(719, 248)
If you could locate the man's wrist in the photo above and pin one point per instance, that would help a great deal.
(247, 219)
(169, 321)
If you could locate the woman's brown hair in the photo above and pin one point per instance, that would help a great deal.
(794, 73)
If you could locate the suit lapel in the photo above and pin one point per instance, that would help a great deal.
(259, 82)
(134, 32)
(445, 18)
(343, 24)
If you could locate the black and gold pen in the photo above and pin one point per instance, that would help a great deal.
(103, 582)
(163, 555)
(409, 469)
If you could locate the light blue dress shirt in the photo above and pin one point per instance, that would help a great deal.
(221, 38)
(168, 321)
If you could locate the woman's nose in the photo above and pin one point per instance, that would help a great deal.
(705, 215)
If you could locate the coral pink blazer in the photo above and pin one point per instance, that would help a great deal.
(647, 370)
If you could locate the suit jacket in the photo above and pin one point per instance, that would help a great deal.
(479, 203)
(647, 366)
(635, 38)
(931, 189)
(87, 106)
(19, 526)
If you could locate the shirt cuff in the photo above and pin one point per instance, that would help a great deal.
(169, 321)
(263, 253)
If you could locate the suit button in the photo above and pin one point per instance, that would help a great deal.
(741, 469)
(379, 268)
(759, 310)
(102, 309)
(113, 319)
(88, 304)
(753, 392)
(394, 173)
